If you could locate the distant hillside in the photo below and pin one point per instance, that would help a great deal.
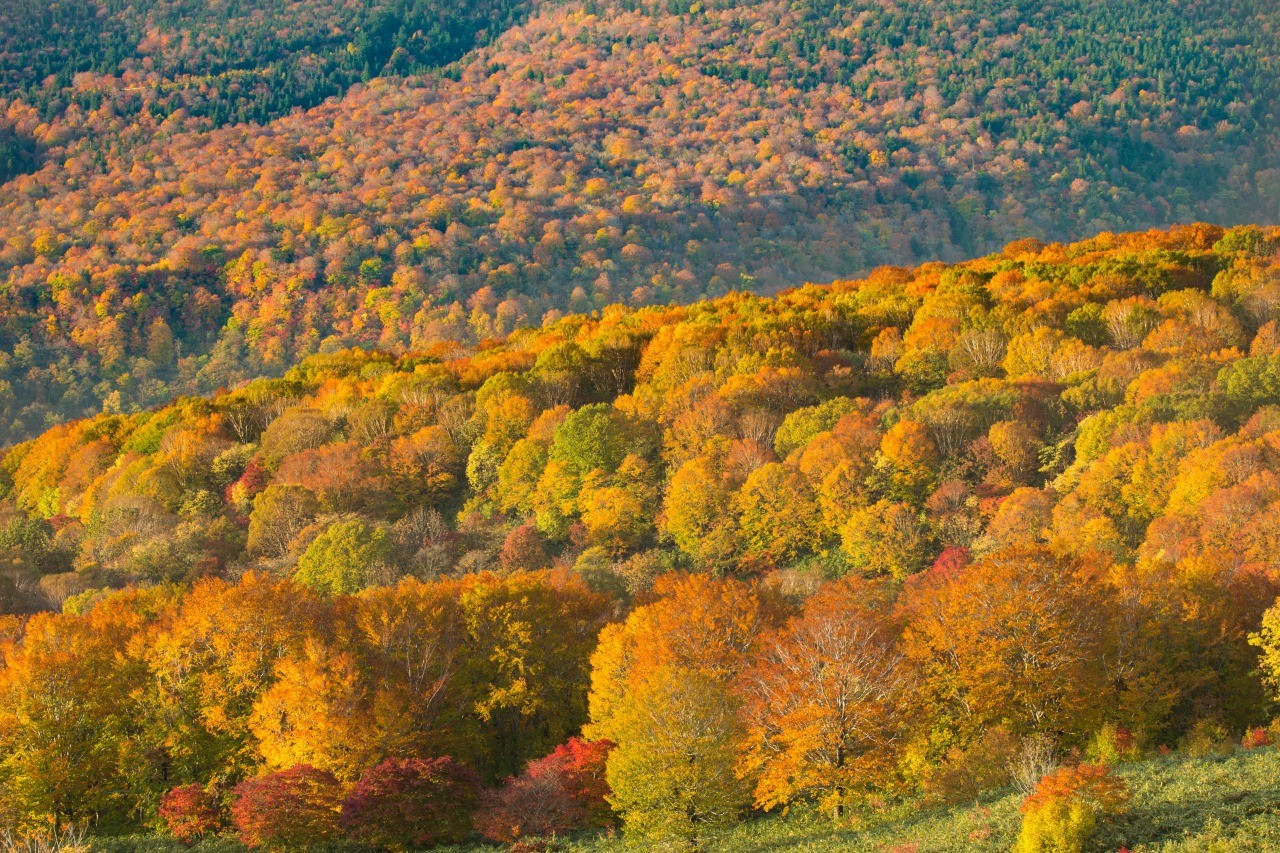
(601, 152)
(244, 60)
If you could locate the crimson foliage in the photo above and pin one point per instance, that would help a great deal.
(563, 791)
(412, 803)
(290, 809)
(189, 812)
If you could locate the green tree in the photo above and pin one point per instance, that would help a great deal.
(345, 558)
(673, 771)
(591, 439)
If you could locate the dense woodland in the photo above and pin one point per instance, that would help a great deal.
(245, 60)
(850, 546)
(600, 152)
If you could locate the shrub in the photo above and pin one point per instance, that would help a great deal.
(189, 812)
(1064, 811)
(1206, 737)
(1255, 739)
(290, 809)
(565, 790)
(412, 803)
(1113, 744)
(967, 771)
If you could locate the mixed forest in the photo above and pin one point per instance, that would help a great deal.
(888, 542)
(181, 214)
(227, 62)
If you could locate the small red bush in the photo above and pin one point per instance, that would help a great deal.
(412, 803)
(189, 812)
(1255, 739)
(297, 807)
(562, 791)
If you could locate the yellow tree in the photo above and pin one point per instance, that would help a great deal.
(825, 703)
(318, 712)
(215, 657)
(661, 689)
(1267, 639)
(886, 538)
(71, 725)
(778, 518)
(672, 774)
(698, 510)
(529, 637)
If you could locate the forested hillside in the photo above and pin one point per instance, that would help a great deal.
(246, 60)
(600, 152)
(381, 558)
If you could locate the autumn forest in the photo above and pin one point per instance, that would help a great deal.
(754, 528)
(586, 154)
(418, 427)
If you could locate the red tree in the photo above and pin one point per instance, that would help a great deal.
(562, 791)
(523, 550)
(189, 812)
(297, 807)
(412, 803)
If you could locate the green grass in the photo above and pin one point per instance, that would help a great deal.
(1213, 804)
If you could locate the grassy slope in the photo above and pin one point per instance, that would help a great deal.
(1216, 803)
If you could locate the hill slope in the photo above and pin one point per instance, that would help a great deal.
(1049, 373)
(249, 60)
(1084, 438)
(612, 151)
(1179, 804)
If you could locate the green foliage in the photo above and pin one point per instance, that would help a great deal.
(1245, 241)
(1086, 323)
(1249, 384)
(345, 558)
(800, 426)
(591, 439)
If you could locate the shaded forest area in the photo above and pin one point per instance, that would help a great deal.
(239, 61)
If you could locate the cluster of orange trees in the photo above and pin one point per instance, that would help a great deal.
(846, 543)
(149, 691)
(599, 152)
(292, 716)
